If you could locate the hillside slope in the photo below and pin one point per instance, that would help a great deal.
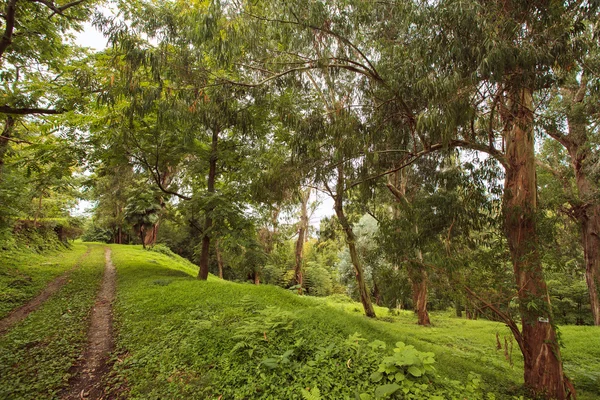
(182, 338)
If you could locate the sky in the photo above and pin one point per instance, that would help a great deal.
(94, 39)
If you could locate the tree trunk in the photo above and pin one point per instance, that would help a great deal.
(208, 221)
(587, 206)
(458, 307)
(351, 241)
(5, 139)
(38, 211)
(142, 236)
(417, 273)
(543, 365)
(150, 235)
(256, 278)
(300, 241)
(590, 225)
(219, 258)
(419, 279)
(377, 294)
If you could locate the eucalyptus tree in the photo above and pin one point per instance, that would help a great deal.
(571, 120)
(302, 237)
(456, 74)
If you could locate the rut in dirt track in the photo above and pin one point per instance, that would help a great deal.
(22, 312)
(87, 382)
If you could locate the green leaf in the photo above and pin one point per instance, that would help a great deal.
(386, 390)
(270, 363)
(376, 376)
(415, 371)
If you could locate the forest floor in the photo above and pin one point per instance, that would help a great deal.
(176, 337)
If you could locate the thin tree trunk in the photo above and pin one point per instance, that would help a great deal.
(543, 372)
(365, 298)
(38, 211)
(4, 140)
(300, 241)
(458, 306)
(142, 236)
(417, 273)
(208, 221)
(219, 258)
(377, 294)
(256, 278)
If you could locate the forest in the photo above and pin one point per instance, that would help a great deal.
(338, 176)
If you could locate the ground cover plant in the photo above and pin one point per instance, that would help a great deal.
(36, 355)
(182, 338)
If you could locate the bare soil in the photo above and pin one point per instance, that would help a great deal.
(87, 383)
(22, 312)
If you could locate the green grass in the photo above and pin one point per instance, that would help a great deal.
(176, 335)
(36, 354)
(182, 338)
(23, 274)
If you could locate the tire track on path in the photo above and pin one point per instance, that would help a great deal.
(20, 313)
(87, 381)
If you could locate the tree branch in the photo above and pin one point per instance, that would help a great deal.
(412, 157)
(512, 325)
(9, 14)
(58, 9)
(28, 111)
(17, 141)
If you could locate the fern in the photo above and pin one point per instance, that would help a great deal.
(314, 394)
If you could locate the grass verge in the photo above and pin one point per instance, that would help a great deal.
(24, 273)
(37, 354)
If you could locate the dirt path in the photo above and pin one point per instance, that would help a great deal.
(87, 382)
(22, 312)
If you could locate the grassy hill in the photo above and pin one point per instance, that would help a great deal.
(177, 337)
(183, 338)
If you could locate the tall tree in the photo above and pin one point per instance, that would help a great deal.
(576, 103)
(302, 236)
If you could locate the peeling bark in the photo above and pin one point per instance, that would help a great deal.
(150, 234)
(543, 371)
(419, 280)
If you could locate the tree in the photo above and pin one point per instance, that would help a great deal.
(441, 93)
(569, 122)
(302, 237)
